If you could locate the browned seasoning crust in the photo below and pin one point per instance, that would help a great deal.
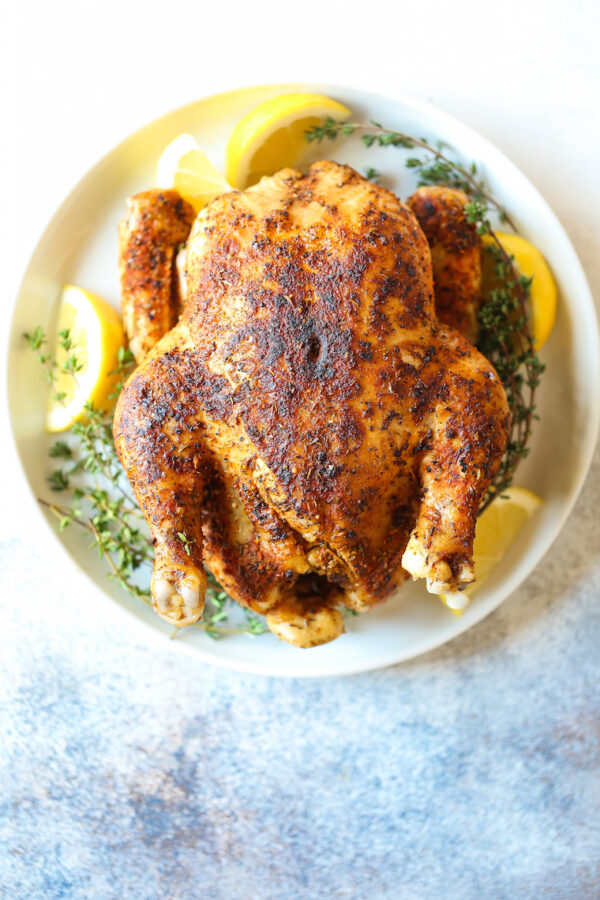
(455, 254)
(155, 224)
(309, 412)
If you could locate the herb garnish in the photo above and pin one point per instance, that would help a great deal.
(101, 502)
(372, 174)
(505, 331)
(186, 541)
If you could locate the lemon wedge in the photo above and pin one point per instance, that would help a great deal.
(186, 168)
(272, 135)
(497, 528)
(529, 262)
(88, 337)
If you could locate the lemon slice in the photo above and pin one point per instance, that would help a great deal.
(169, 159)
(497, 528)
(88, 336)
(530, 262)
(186, 168)
(272, 135)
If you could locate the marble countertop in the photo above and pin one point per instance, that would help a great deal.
(129, 771)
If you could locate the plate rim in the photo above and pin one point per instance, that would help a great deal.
(332, 669)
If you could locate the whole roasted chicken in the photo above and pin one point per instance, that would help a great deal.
(301, 421)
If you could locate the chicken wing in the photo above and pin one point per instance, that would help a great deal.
(156, 223)
(455, 255)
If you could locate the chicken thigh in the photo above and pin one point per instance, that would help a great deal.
(309, 429)
(156, 224)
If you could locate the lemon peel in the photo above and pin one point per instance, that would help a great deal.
(95, 333)
(272, 135)
(529, 262)
(497, 528)
(183, 166)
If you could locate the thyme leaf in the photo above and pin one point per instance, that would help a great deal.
(187, 543)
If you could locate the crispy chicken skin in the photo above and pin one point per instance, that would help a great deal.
(155, 224)
(309, 425)
(455, 255)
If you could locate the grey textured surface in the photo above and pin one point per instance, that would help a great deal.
(131, 771)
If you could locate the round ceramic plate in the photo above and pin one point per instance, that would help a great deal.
(80, 246)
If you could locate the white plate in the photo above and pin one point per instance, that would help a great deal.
(80, 246)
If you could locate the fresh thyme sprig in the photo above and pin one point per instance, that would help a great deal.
(106, 542)
(439, 170)
(90, 470)
(69, 366)
(505, 332)
(220, 601)
(507, 341)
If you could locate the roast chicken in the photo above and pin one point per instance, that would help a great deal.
(301, 421)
